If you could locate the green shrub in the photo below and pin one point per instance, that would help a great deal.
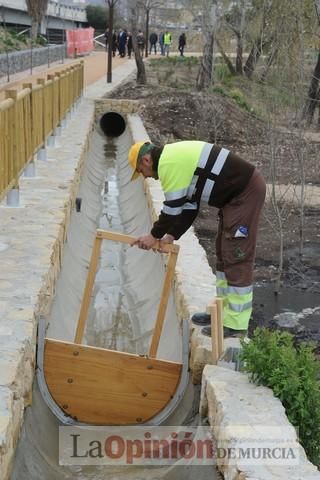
(272, 360)
(222, 73)
(239, 98)
(220, 90)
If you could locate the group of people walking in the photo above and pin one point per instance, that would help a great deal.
(165, 41)
(122, 42)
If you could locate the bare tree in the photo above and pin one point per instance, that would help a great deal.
(111, 4)
(205, 11)
(147, 6)
(258, 37)
(225, 57)
(313, 98)
(36, 9)
(133, 14)
(236, 22)
(253, 57)
(278, 204)
(209, 21)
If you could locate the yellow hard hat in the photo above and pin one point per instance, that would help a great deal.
(133, 158)
(136, 151)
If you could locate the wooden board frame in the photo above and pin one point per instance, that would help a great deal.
(98, 386)
(172, 250)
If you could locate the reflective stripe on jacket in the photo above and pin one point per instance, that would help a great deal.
(191, 172)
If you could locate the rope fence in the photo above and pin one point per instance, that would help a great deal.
(30, 116)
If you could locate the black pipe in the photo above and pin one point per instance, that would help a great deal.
(112, 124)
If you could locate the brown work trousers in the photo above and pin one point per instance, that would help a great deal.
(235, 256)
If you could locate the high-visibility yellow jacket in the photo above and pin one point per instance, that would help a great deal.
(195, 171)
(167, 39)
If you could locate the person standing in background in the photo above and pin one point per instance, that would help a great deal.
(167, 42)
(153, 42)
(114, 43)
(122, 43)
(161, 42)
(129, 44)
(182, 43)
(106, 36)
(140, 42)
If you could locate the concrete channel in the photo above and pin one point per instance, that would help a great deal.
(124, 303)
(55, 248)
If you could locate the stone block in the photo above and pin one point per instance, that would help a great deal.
(250, 424)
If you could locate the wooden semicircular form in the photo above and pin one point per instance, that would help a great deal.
(107, 387)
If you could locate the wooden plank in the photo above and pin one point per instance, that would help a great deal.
(106, 387)
(88, 290)
(163, 304)
(219, 303)
(119, 237)
(214, 334)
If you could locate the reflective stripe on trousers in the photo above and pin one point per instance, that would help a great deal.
(237, 303)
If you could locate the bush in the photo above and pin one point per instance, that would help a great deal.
(292, 373)
(220, 90)
(222, 73)
(238, 97)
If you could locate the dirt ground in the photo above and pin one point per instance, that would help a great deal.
(172, 111)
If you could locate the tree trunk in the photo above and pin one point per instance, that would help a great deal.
(239, 63)
(313, 94)
(147, 33)
(204, 78)
(270, 60)
(110, 44)
(141, 71)
(226, 58)
(34, 28)
(253, 58)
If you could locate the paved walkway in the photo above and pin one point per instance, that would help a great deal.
(95, 67)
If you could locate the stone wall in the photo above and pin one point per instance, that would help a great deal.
(20, 61)
(32, 239)
(251, 424)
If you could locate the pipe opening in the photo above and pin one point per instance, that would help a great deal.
(112, 124)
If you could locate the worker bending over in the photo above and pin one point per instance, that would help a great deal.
(192, 172)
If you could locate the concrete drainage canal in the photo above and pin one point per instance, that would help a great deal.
(122, 309)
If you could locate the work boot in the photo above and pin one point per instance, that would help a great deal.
(227, 332)
(201, 319)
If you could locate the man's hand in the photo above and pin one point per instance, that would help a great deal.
(167, 239)
(146, 242)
